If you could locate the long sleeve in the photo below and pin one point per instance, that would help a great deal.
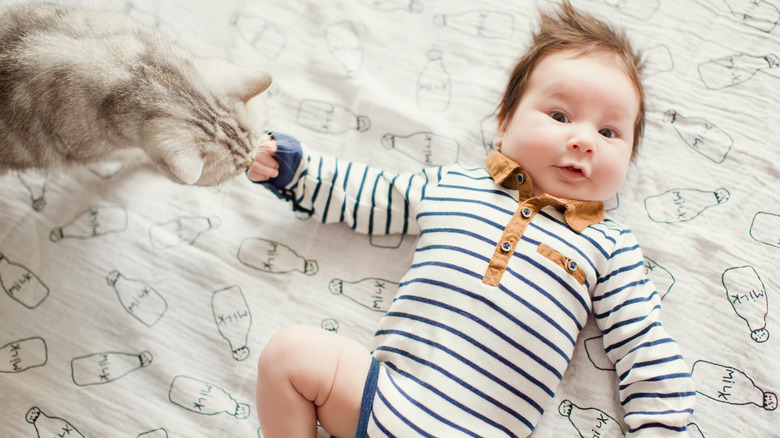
(656, 388)
(367, 199)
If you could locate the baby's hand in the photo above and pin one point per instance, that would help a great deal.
(265, 165)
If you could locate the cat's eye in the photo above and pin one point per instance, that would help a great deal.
(559, 117)
(608, 133)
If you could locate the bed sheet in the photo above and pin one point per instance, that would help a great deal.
(135, 307)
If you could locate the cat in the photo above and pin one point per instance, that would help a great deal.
(78, 85)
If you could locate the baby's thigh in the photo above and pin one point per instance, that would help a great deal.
(328, 369)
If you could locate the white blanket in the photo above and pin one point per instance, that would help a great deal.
(135, 307)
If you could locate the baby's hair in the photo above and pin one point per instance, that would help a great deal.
(569, 29)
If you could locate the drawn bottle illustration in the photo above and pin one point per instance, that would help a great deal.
(661, 278)
(156, 433)
(274, 257)
(682, 205)
(766, 228)
(138, 298)
(261, 34)
(35, 183)
(701, 135)
(735, 69)
(99, 368)
(95, 222)
(373, 293)
(594, 347)
(22, 355)
(205, 398)
(413, 6)
(729, 385)
(181, 231)
(426, 148)
(51, 427)
(233, 319)
(344, 45)
(747, 295)
(434, 86)
(758, 14)
(659, 60)
(329, 118)
(590, 422)
(639, 9)
(481, 24)
(21, 284)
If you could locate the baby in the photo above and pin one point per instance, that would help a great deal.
(511, 259)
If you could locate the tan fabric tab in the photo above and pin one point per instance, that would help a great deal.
(512, 234)
(565, 263)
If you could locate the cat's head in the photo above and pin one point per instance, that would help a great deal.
(209, 133)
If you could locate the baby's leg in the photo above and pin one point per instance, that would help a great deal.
(307, 374)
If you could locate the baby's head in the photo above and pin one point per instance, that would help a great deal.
(579, 82)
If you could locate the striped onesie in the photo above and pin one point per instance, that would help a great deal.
(486, 319)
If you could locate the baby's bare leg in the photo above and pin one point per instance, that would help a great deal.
(307, 374)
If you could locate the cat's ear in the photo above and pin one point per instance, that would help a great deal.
(185, 164)
(181, 161)
(229, 79)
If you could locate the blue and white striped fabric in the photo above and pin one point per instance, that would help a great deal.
(459, 357)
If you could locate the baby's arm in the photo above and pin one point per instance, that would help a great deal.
(366, 198)
(656, 388)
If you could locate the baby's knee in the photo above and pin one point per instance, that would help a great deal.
(285, 346)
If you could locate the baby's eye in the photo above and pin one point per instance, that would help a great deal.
(559, 117)
(608, 133)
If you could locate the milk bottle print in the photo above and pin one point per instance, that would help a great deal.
(729, 385)
(51, 427)
(95, 222)
(639, 9)
(273, 257)
(329, 118)
(747, 295)
(701, 135)
(426, 148)
(344, 45)
(758, 14)
(481, 24)
(590, 422)
(205, 398)
(261, 34)
(413, 6)
(373, 293)
(138, 298)
(181, 231)
(658, 59)
(734, 70)
(21, 284)
(156, 433)
(661, 278)
(233, 319)
(766, 228)
(682, 205)
(22, 355)
(99, 368)
(152, 20)
(35, 183)
(434, 86)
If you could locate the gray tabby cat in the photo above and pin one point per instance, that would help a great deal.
(78, 85)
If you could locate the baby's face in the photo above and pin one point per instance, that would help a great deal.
(573, 129)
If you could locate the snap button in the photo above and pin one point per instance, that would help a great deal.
(571, 265)
(526, 212)
(521, 178)
(506, 246)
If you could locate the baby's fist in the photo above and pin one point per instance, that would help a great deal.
(265, 165)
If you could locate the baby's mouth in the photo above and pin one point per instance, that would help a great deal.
(573, 172)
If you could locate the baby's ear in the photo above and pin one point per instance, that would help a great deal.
(229, 79)
(176, 157)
